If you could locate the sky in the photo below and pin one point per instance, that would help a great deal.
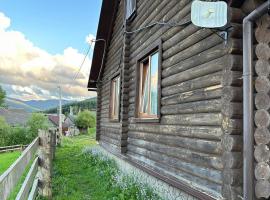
(42, 45)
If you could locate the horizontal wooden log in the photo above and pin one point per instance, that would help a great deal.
(262, 67)
(232, 126)
(262, 35)
(188, 38)
(236, 15)
(201, 70)
(262, 153)
(197, 83)
(186, 31)
(206, 56)
(207, 43)
(203, 132)
(212, 188)
(262, 136)
(207, 106)
(112, 147)
(263, 51)
(232, 78)
(233, 94)
(262, 171)
(262, 118)
(196, 95)
(205, 173)
(232, 109)
(262, 189)
(262, 84)
(111, 125)
(205, 119)
(213, 147)
(233, 177)
(232, 142)
(262, 101)
(232, 192)
(188, 155)
(232, 160)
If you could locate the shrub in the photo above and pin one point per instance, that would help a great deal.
(85, 119)
(2, 96)
(37, 121)
(4, 129)
(17, 135)
(22, 135)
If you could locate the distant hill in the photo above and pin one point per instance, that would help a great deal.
(14, 103)
(46, 104)
(33, 105)
(89, 104)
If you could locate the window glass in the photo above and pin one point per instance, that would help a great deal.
(115, 92)
(130, 8)
(154, 83)
(148, 87)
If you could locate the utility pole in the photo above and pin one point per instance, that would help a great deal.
(60, 113)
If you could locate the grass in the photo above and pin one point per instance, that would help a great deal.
(6, 159)
(16, 190)
(81, 174)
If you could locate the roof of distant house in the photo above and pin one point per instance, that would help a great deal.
(55, 120)
(15, 117)
(70, 120)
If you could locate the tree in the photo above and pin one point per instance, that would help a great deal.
(2, 96)
(85, 119)
(36, 122)
(4, 130)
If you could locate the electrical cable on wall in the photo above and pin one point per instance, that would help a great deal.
(170, 24)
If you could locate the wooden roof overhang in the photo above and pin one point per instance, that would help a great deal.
(105, 25)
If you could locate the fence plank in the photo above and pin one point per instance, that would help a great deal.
(34, 190)
(28, 182)
(10, 178)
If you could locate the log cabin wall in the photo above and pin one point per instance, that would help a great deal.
(109, 133)
(262, 105)
(198, 140)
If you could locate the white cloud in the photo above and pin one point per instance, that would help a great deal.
(34, 73)
(4, 22)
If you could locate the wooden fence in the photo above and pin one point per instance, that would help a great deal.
(12, 148)
(40, 154)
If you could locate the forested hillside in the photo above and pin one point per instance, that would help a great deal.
(89, 104)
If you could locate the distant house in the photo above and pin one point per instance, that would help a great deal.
(15, 117)
(70, 122)
(54, 122)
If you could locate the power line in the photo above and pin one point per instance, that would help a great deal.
(84, 59)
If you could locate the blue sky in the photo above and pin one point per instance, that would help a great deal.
(43, 43)
(54, 24)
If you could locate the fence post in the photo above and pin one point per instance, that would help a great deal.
(45, 163)
(58, 139)
(54, 142)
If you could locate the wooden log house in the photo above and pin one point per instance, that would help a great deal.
(169, 94)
